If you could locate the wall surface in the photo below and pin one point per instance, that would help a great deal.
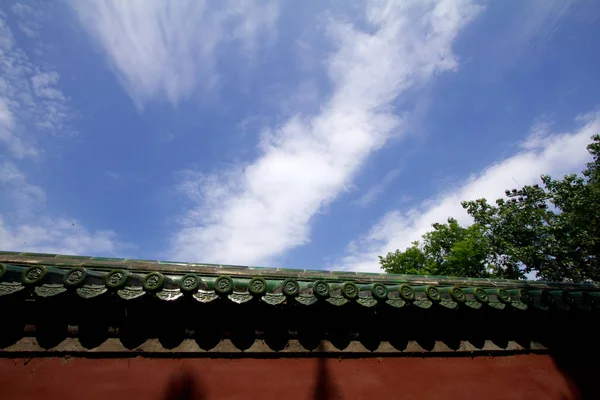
(506, 377)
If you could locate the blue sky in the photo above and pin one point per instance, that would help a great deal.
(314, 134)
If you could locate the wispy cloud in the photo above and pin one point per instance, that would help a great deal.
(520, 42)
(167, 50)
(23, 10)
(31, 105)
(27, 199)
(28, 19)
(59, 236)
(257, 211)
(30, 102)
(376, 190)
(28, 226)
(8, 133)
(556, 155)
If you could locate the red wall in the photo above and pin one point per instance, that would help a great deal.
(507, 377)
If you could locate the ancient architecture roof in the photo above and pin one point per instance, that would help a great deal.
(48, 275)
(58, 304)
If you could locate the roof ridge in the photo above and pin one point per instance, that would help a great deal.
(242, 270)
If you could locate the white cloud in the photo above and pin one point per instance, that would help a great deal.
(29, 19)
(42, 85)
(58, 236)
(8, 135)
(26, 198)
(255, 212)
(30, 102)
(538, 134)
(519, 42)
(555, 155)
(26, 227)
(167, 49)
(23, 10)
(252, 20)
(375, 191)
(27, 30)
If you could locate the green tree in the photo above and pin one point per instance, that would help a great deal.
(552, 230)
(449, 249)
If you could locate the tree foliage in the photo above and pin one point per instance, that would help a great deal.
(552, 230)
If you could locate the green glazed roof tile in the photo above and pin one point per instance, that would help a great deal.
(210, 265)
(317, 271)
(232, 269)
(165, 280)
(134, 260)
(34, 254)
(72, 257)
(106, 259)
(172, 263)
(290, 270)
(369, 273)
(343, 272)
(253, 268)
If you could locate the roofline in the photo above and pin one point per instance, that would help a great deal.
(241, 271)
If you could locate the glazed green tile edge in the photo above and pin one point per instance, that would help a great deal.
(173, 267)
(48, 280)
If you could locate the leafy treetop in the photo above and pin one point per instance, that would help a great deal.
(552, 230)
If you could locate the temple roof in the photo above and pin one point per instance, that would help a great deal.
(48, 275)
